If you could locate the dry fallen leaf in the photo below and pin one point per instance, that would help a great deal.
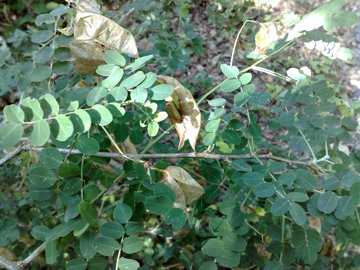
(183, 111)
(7, 254)
(266, 35)
(180, 196)
(94, 34)
(186, 188)
(128, 147)
(315, 223)
(86, 56)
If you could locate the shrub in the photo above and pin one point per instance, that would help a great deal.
(262, 181)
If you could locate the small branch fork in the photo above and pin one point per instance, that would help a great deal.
(26, 147)
(10, 265)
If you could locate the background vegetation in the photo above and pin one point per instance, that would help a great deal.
(178, 135)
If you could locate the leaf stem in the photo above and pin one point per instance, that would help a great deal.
(266, 57)
(150, 144)
(357, 216)
(119, 254)
(82, 176)
(282, 237)
(118, 148)
(255, 230)
(309, 146)
(273, 73)
(201, 99)
(246, 198)
(237, 39)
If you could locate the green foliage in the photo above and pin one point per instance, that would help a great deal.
(273, 203)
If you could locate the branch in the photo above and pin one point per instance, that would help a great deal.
(14, 153)
(26, 147)
(21, 264)
(179, 155)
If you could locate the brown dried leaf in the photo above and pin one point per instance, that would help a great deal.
(7, 254)
(97, 28)
(94, 34)
(128, 147)
(266, 35)
(180, 196)
(87, 56)
(189, 186)
(183, 111)
(315, 223)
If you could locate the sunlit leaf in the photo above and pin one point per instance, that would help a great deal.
(138, 63)
(81, 120)
(10, 134)
(114, 77)
(153, 128)
(32, 109)
(217, 102)
(13, 113)
(128, 264)
(105, 70)
(139, 95)
(49, 104)
(230, 85)
(160, 116)
(100, 115)
(266, 35)
(230, 72)
(95, 95)
(40, 133)
(115, 58)
(119, 94)
(162, 91)
(62, 128)
(133, 80)
(321, 16)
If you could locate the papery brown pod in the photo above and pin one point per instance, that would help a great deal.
(186, 188)
(183, 111)
(94, 34)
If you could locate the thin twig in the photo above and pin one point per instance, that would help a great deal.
(123, 155)
(211, 91)
(309, 146)
(14, 153)
(237, 39)
(119, 254)
(4, 263)
(266, 57)
(166, 132)
(273, 73)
